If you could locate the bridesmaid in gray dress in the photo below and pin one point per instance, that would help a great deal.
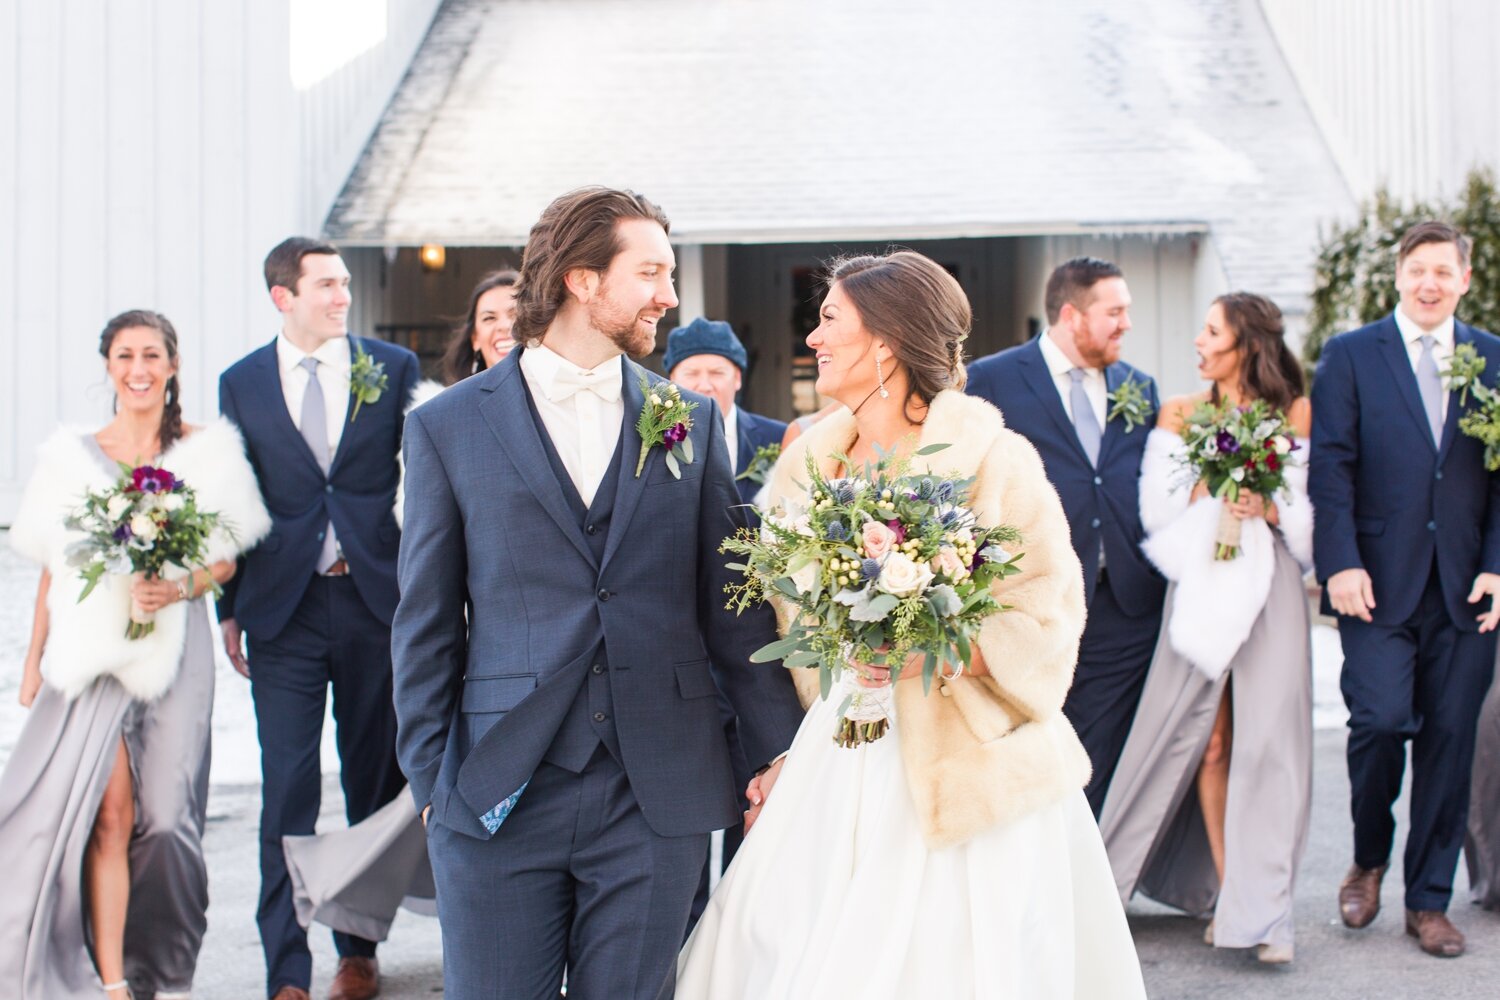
(106, 789)
(1482, 847)
(1210, 805)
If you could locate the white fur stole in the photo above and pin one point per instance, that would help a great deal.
(1215, 603)
(420, 393)
(86, 640)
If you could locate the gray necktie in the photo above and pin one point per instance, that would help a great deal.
(1084, 422)
(314, 425)
(1431, 387)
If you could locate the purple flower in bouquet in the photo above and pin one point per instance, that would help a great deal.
(1227, 443)
(122, 533)
(149, 479)
(674, 434)
(898, 528)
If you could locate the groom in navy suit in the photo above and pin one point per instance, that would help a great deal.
(1407, 545)
(315, 597)
(561, 629)
(1055, 391)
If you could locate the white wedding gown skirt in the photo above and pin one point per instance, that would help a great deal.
(834, 893)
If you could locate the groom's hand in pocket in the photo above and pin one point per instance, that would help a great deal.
(759, 790)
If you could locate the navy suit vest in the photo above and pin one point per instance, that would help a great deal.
(591, 718)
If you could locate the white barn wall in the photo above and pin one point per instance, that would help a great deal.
(151, 152)
(1406, 92)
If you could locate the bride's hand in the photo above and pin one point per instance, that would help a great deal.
(872, 676)
(155, 594)
(31, 682)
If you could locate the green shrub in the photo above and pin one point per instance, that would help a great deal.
(1354, 277)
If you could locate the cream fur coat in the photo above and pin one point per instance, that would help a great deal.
(982, 751)
(86, 640)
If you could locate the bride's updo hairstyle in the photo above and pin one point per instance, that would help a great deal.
(171, 414)
(1268, 368)
(917, 308)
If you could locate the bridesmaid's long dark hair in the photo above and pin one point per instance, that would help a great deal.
(1268, 368)
(171, 414)
(461, 360)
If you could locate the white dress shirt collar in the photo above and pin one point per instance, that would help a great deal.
(333, 352)
(1057, 362)
(732, 434)
(1411, 333)
(542, 366)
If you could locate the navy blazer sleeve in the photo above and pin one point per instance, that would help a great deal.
(1334, 462)
(429, 635)
(225, 602)
(761, 694)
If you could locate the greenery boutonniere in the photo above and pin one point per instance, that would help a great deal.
(1129, 402)
(665, 420)
(1482, 423)
(367, 380)
(760, 465)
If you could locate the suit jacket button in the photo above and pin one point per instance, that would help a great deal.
(592, 529)
(328, 488)
(599, 716)
(1098, 481)
(1094, 523)
(1438, 474)
(320, 536)
(1431, 525)
(603, 595)
(598, 668)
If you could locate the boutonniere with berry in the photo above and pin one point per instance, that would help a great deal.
(367, 380)
(1129, 403)
(760, 465)
(1481, 421)
(665, 420)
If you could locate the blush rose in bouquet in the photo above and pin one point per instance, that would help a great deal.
(875, 568)
(1234, 450)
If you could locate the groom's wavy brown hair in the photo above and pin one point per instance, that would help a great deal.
(579, 229)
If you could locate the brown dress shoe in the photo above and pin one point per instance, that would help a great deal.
(1359, 896)
(1435, 933)
(357, 979)
(292, 993)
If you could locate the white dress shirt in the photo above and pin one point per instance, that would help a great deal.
(333, 377)
(581, 409)
(732, 436)
(1442, 350)
(1093, 380)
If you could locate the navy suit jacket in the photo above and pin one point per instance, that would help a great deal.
(1101, 504)
(1387, 498)
(503, 606)
(357, 494)
(755, 431)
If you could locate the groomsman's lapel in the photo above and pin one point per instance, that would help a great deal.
(1040, 381)
(629, 488)
(268, 389)
(348, 431)
(1393, 349)
(1114, 377)
(510, 420)
(1461, 335)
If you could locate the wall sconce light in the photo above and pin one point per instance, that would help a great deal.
(433, 256)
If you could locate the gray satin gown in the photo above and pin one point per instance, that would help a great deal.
(1151, 822)
(1482, 847)
(49, 796)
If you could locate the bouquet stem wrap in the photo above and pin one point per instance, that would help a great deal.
(867, 715)
(1227, 539)
(142, 622)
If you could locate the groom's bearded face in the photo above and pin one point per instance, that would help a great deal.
(636, 291)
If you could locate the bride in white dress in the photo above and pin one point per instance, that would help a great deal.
(957, 856)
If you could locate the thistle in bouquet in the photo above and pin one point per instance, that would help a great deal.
(1237, 450)
(884, 568)
(146, 521)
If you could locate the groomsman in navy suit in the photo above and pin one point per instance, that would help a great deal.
(321, 412)
(706, 357)
(1055, 391)
(562, 638)
(1407, 546)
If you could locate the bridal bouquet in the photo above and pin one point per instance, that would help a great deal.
(147, 520)
(1236, 450)
(876, 569)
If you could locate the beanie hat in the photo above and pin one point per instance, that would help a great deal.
(703, 336)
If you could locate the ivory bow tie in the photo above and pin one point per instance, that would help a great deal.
(569, 380)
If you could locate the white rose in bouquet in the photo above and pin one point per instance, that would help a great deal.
(900, 576)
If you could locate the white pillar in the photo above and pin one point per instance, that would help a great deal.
(689, 283)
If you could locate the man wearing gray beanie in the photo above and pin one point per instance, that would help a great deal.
(706, 357)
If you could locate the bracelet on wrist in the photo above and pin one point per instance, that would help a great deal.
(182, 589)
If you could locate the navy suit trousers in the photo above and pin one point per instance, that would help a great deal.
(1422, 680)
(332, 638)
(575, 879)
(1113, 659)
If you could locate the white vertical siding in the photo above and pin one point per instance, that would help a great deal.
(151, 152)
(1407, 92)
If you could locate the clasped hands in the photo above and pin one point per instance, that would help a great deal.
(1352, 593)
(151, 594)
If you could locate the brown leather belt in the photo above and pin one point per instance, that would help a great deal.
(340, 568)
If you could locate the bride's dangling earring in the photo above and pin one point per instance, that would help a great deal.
(880, 379)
